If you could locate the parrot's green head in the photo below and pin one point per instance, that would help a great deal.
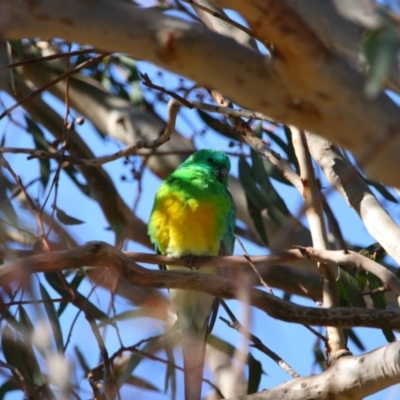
(214, 161)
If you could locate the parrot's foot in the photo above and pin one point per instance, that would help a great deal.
(190, 259)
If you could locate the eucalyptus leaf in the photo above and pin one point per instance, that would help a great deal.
(53, 318)
(135, 360)
(255, 373)
(66, 219)
(223, 128)
(41, 144)
(351, 287)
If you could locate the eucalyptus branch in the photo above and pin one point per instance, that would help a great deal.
(256, 342)
(349, 258)
(99, 254)
(314, 211)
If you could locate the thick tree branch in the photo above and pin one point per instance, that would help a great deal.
(343, 36)
(305, 85)
(349, 258)
(100, 254)
(346, 180)
(350, 378)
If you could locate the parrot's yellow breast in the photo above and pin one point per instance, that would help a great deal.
(185, 226)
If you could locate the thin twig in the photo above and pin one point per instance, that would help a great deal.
(256, 342)
(247, 257)
(134, 349)
(306, 291)
(24, 302)
(37, 214)
(51, 57)
(53, 82)
(173, 107)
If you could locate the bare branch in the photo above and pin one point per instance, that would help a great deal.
(100, 254)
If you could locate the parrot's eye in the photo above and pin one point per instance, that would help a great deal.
(210, 160)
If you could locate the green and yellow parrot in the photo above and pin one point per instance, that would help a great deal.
(194, 215)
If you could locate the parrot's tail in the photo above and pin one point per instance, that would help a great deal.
(193, 309)
(194, 348)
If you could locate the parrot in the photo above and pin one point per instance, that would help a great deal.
(194, 215)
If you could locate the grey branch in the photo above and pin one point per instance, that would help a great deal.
(350, 378)
(346, 180)
(287, 89)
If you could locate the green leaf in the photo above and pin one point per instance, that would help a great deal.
(275, 173)
(378, 299)
(380, 50)
(25, 351)
(55, 282)
(127, 315)
(53, 318)
(374, 252)
(82, 361)
(254, 197)
(221, 127)
(119, 228)
(66, 219)
(223, 346)
(276, 207)
(76, 281)
(131, 65)
(21, 355)
(41, 144)
(362, 279)
(249, 184)
(319, 356)
(10, 318)
(351, 288)
(135, 360)
(8, 386)
(291, 152)
(281, 143)
(141, 383)
(16, 45)
(136, 95)
(72, 172)
(381, 189)
(389, 335)
(25, 322)
(5, 204)
(255, 373)
(10, 351)
(343, 302)
(379, 302)
(354, 338)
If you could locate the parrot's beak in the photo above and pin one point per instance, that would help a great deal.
(223, 174)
